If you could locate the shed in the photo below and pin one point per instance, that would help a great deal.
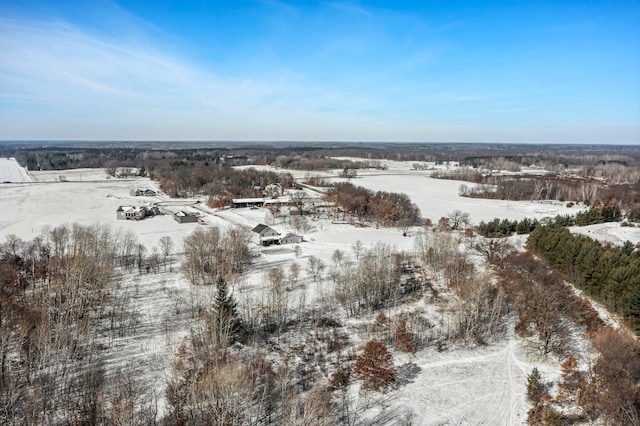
(185, 217)
(291, 239)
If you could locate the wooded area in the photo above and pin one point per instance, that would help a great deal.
(611, 275)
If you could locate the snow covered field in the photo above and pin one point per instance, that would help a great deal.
(10, 171)
(459, 386)
(609, 233)
(437, 198)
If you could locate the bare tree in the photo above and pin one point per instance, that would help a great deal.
(276, 309)
(337, 257)
(166, 247)
(315, 267)
(357, 249)
(459, 219)
(294, 273)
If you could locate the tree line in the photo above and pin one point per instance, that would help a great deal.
(500, 228)
(220, 183)
(609, 274)
(550, 314)
(384, 208)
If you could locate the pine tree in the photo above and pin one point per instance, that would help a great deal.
(375, 366)
(535, 387)
(224, 303)
(225, 320)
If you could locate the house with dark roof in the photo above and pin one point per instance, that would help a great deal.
(185, 217)
(264, 235)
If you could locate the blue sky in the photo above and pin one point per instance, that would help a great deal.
(444, 71)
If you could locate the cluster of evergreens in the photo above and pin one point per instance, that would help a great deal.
(504, 228)
(598, 215)
(609, 274)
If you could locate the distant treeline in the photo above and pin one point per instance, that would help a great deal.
(609, 274)
(598, 160)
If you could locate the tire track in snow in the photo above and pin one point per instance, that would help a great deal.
(467, 398)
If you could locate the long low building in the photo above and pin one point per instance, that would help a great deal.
(237, 203)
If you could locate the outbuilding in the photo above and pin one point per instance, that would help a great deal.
(185, 217)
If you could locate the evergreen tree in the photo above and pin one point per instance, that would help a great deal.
(224, 302)
(535, 387)
(225, 321)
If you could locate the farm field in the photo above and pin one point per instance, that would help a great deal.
(462, 385)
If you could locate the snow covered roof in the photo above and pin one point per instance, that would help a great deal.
(248, 200)
(277, 200)
(290, 235)
(131, 208)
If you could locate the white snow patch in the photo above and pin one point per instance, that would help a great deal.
(610, 232)
(11, 171)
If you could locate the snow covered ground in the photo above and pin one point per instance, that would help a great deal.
(609, 233)
(10, 171)
(459, 386)
(72, 175)
(437, 198)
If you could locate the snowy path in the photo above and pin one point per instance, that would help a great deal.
(480, 386)
(11, 171)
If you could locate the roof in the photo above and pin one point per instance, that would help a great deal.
(259, 228)
(248, 200)
(277, 200)
(131, 208)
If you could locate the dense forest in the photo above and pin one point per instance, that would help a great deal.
(609, 274)
(549, 315)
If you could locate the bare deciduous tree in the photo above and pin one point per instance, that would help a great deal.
(315, 267)
(459, 219)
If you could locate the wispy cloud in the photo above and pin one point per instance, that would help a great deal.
(335, 71)
(62, 68)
